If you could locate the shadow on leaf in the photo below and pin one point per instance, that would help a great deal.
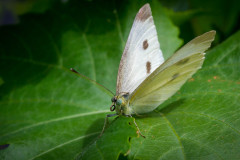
(172, 106)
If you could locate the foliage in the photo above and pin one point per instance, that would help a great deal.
(48, 113)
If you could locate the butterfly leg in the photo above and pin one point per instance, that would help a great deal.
(136, 126)
(106, 121)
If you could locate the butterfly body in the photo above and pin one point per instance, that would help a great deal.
(121, 104)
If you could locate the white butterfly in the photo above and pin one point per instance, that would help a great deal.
(144, 79)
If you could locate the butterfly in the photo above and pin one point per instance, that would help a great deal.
(145, 79)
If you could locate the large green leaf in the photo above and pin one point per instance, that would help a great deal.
(46, 111)
(202, 120)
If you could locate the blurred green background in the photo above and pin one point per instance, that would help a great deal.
(46, 112)
(193, 17)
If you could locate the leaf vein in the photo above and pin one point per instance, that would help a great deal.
(230, 51)
(65, 143)
(55, 120)
(175, 133)
(91, 55)
(169, 151)
(208, 116)
(203, 145)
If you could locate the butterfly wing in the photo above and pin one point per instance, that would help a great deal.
(171, 75)
(142, 54)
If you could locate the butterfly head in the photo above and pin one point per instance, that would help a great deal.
(120, 103)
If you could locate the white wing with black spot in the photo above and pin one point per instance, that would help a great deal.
(171, 75)
(142, 54)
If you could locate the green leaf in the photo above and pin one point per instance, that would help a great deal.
(22, 7)
(213, 14)
(49, 113)
(1, 81)
(113, 142)
(46, 111)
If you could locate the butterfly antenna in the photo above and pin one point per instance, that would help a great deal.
(93, 82)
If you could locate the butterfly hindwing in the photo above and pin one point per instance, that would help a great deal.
(142, 54)
(171, 75)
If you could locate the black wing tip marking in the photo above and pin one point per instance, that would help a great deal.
(145, 6)
(144, 13)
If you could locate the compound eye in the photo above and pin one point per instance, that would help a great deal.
(119, 102)
(114, 99)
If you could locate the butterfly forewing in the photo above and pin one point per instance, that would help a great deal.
(171, 75)
(142, 54)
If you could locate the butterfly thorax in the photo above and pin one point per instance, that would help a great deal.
(120, 103)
